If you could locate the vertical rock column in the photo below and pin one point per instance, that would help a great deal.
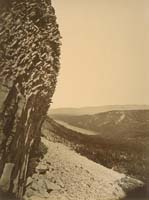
(29, 65)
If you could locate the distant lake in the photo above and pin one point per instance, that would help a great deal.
(77, 129)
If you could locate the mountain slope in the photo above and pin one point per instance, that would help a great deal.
(65, 175)
(124, 157)
(131, 125)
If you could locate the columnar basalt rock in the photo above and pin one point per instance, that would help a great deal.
(29, 65)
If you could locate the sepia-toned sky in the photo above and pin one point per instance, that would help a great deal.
(105, 49)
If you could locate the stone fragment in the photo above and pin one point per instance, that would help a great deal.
(34, 186)
(42, 169)
(29, 181)
(35, 176)
(41, 183)
(29, 192)
(51, 186)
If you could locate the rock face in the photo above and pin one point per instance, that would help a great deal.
(29, 52)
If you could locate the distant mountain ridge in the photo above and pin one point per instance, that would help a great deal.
(117, 124)
(95, 109)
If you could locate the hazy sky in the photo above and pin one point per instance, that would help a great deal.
(104, 52)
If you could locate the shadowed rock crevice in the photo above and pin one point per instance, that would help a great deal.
(29, 51)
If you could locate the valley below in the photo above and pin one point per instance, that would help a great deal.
(120, 141)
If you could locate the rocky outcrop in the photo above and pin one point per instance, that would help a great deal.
(29, 52)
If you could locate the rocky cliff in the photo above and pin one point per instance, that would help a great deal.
(29, 65)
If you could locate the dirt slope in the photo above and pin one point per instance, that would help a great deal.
(65, 175)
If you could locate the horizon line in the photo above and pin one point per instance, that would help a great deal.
(78, 107)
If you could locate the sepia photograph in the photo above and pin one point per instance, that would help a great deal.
(74, 107)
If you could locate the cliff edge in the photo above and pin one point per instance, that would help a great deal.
(29, 52)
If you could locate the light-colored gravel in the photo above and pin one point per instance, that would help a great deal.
(65, 175)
